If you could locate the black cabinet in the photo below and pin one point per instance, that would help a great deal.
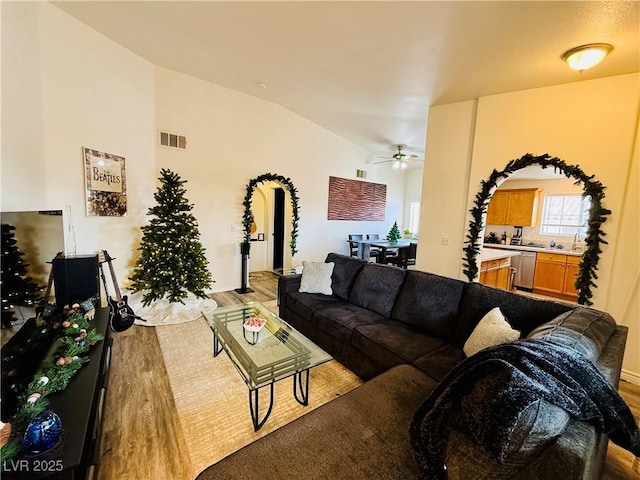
(80, 407)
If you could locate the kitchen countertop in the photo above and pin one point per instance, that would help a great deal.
(493, 254)
(525, 248)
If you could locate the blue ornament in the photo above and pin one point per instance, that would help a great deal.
(43, 432)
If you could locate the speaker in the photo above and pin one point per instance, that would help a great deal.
(75, 278)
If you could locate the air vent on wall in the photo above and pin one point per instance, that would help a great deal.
(173, 140)
(361, 173)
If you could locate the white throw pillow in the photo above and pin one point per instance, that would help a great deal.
(493, 329)
(316, 277)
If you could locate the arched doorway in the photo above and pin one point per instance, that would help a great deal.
(247, 216)
(597, 216)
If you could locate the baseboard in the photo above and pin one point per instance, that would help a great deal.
(629, 376)
(221, 288)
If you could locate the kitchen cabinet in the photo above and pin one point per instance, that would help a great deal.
(514, 207)
(555, 274)
(497, 209)
(496, 273)
(570, 274)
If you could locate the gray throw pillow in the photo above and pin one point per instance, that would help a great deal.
(316, 277)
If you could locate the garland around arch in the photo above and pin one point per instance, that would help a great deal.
(247, 217)
(597, 216)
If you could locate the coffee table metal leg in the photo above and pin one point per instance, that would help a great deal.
(301, 387)
(216, 345)
(254, 405)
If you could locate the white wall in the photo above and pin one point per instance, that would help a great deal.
(592, 123)
(64, 87)
(445, 187)
(232, 138)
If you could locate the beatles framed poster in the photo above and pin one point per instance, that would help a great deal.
(105, 184)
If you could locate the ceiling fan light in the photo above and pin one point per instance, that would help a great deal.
(396, 165)
(403, 165)
(586, 56)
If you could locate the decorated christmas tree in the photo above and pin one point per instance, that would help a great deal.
(394, 233)
(172, 261)
(17, 288)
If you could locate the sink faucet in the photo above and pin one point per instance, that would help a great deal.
(576, 242)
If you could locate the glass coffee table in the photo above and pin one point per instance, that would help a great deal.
(276, 352)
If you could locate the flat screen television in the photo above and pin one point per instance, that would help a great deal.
(39, 236)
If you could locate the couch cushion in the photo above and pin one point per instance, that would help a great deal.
(345, 271)
(584, 329)
(429, 302)
(305, 304)
(377, 287)
(392, 343)
(341, 320)
(439, 362)
(523, 313)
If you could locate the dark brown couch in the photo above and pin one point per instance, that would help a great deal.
(407, 329)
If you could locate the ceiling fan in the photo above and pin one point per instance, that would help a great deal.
(400, 160)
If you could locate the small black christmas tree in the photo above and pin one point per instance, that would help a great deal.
(172, 261)
(17, 289)
(394, 233)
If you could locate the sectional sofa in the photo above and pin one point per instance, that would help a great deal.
(404, 331)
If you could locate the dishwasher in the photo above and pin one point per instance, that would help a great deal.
(525, 265)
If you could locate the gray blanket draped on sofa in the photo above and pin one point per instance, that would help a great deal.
(514, 376)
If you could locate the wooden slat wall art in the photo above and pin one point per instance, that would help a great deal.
(356, 200)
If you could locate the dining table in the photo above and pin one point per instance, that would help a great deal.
(364, 247)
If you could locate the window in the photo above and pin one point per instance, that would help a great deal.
(414, 216)
(565, 215)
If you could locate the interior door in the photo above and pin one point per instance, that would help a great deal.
(278, 228)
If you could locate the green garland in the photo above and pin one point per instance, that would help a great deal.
(55, 374)
(597, 216)
(247, 217)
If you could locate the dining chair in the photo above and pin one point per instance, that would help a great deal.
(391, 252)
(353, 245)
(374, 252)
(406, 256)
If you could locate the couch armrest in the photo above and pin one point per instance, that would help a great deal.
(286, 284)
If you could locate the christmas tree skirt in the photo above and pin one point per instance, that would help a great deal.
(163, 312)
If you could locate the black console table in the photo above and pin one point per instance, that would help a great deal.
(81, 409)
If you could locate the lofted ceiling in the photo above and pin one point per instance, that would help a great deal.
(369, 70)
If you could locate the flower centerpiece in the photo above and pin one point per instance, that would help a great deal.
(253, 326)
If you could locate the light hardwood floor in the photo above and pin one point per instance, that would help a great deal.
(142, 439)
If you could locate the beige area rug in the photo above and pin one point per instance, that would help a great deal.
(212, 400)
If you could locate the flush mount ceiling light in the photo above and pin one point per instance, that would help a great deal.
(586, 56)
